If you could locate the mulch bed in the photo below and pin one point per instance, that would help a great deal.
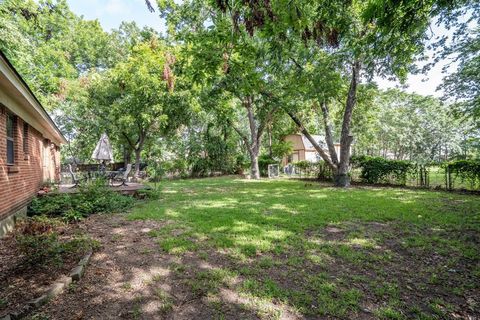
(20, 281)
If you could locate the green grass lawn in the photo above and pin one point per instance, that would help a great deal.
(306, 249)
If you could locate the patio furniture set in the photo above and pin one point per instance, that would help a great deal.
(113, 178)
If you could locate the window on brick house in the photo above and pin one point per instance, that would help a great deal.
(25, 138)
(10, 139)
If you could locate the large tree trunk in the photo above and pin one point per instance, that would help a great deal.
(328, 133)
(127, 154)
(342, 179)
(138, 152)
(255, 171)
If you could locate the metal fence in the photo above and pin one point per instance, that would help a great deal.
(424, 176)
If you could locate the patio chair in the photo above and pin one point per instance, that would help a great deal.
(76, 181)
(124, 177)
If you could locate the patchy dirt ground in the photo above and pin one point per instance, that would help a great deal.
(131, 277)
(21, 280)
(226, 248)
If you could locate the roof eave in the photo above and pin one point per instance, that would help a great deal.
(52, 127)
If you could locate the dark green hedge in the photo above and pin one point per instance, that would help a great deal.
(380, 170)
(467, 170)
(263, 162)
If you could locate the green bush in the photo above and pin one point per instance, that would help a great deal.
(92, 198)
(380, 170)
(323, 171)
(150, 194)
(38, 239)
(467, 170)
(303, 165)
(174, 168)
(42, 248)
(241, 163)
(282, 149)
(263, 162)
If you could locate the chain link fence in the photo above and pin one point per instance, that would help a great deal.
(439, 176)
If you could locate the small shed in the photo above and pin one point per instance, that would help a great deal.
(303, 148)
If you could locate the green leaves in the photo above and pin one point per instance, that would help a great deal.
(135, 101)
(49, 45)
(463, 86)
(380, 170)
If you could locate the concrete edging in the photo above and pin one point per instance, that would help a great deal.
(55, 289)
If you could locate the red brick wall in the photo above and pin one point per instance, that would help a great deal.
(20, 183)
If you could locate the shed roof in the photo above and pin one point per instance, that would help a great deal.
(318, 138)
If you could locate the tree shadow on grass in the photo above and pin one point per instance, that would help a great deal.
(265, 250)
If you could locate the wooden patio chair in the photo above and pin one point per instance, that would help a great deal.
(76, 181)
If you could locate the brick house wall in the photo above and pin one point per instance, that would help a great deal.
(36, 141)
(39, 162)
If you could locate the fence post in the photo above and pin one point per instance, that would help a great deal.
(427, 177)
(448, 178)
(421, 176)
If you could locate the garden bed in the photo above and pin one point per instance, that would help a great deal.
(29, 265)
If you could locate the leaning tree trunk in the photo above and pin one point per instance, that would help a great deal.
(127, 154)
(341, 176)
(138, 153)
(315, 144)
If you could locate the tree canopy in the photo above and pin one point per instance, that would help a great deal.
(230, 80)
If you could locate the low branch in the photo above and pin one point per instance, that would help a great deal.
(346, 139)
(129, 141)
(305, 132)
(328, 133)
(242, 136)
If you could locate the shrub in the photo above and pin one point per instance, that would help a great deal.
(38, 239)
(303, 165)
(380, 170)
(263, 162)
(150, 194)
(241, 164)
(282, 149)
(38, 225)
(324, 172)
(41, 248)
(467, 170)
(319, 169)
(92, 198)
(201, 167)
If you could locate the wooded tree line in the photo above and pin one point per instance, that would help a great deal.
(230, 79)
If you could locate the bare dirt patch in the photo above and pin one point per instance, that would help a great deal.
(21, 281)
(130, 277)
(349, 270)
